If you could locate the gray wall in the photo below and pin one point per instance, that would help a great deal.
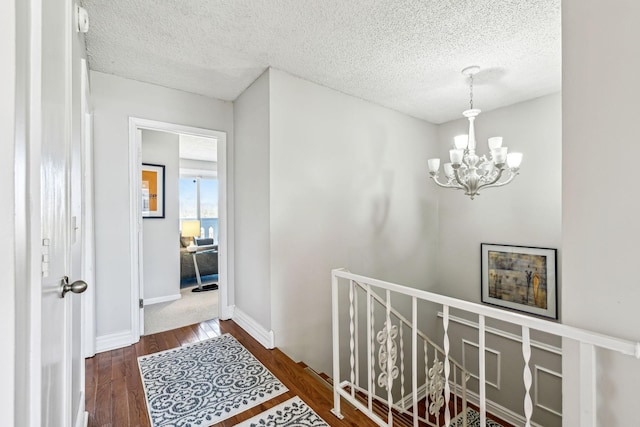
(348, 187)
(161, 249)
(252, 238)
(600, 226)
(115, 99)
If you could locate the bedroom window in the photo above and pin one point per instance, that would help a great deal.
(199, 200)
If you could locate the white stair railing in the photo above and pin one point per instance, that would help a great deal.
(444, 378)
(388, 387)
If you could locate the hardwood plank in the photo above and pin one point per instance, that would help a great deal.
(102, 414)
(119, 401)
(135, 395)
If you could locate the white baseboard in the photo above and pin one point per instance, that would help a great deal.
(158, 300)
(253, 328)
(113, 341)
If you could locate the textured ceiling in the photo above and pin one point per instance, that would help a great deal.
(198, 148)
(406, 55)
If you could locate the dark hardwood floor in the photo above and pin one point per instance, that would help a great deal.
(115, 397)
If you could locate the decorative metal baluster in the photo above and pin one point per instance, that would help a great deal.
(526, 354)
(351, 339)
(402, 365)
(372, 356)
(447, 367)
(455, 390)
(436, 385)
(389, 360)
(481, 371)
(414, 358)
(426, 379)
(357, 334)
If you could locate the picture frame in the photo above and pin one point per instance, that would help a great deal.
(152, 190)
(520, 278)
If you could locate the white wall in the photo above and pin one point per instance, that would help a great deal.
(527, 212)
(252, 238)
(601, 285)
(349, 188)
(115, 99)
(7, 189)
(161, 248)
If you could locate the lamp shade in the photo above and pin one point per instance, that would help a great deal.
(190, 228)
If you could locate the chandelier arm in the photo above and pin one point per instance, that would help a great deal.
(445, 185)
(495, 182)
(462, 184)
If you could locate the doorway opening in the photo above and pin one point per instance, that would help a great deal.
(189, 165)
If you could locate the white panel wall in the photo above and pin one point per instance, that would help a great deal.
(526, 212)
(115, 99)
(161, 248)
(252, 247)
(348, 189)
(601, 286)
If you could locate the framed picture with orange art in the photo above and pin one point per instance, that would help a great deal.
(152, 191)
(520, 278)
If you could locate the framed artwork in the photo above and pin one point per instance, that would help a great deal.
(520, 278)
(152, 191)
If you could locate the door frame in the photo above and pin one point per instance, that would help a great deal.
(225, 185)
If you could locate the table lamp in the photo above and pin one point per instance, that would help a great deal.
(191, 228)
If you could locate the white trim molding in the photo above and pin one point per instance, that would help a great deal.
(495, 384)
(253, 328)
(536, 381)
(114, 341)
(158, 300)
(225, 217)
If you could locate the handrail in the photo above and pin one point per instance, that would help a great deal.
(623, 346)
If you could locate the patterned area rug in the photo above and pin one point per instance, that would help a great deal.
(293, 412)
(473, 420)
(204, 383)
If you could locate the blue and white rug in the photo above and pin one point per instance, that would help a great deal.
(203, 383)
(293, 412)
(473, 420)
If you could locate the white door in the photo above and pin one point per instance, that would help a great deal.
(59, 352)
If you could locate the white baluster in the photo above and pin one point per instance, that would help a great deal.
(351, 339)
(414, 358)
(211, 232)
(357, 344)
(372, 354)
(389, 360)
(201, 232)
(402, 365)
(447, 367)
(335, 324)
(526, 354)
(481, 370)
(426, 377)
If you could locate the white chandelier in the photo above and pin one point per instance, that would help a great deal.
(469, 172)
